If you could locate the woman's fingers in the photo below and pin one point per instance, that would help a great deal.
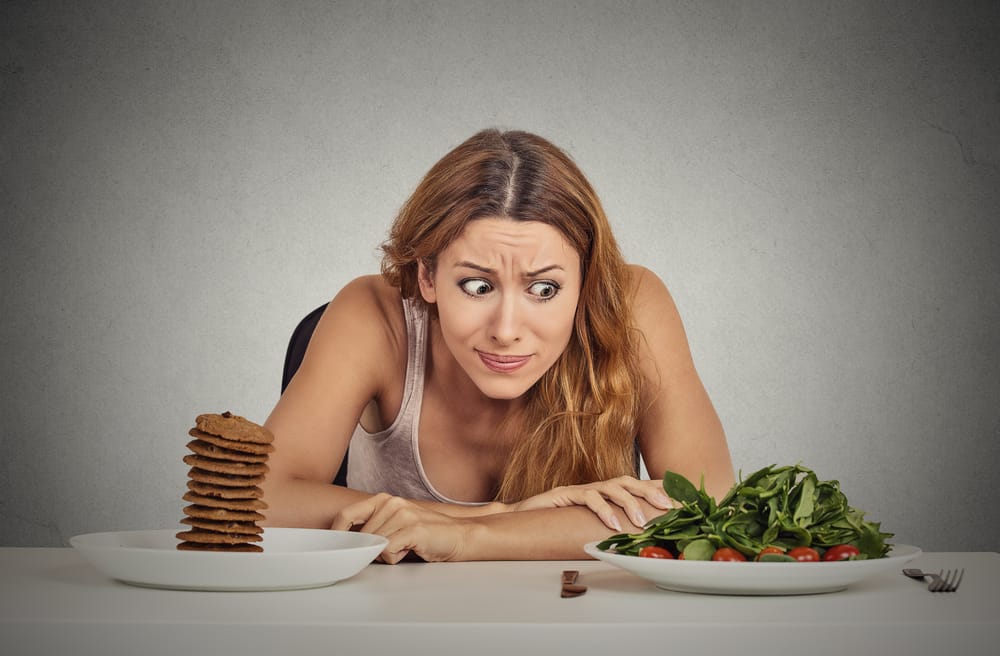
(625, 492)
(405, 525)
(375, 515)
(596, 502)
(602, 500)
(651, 491)
(358, 513)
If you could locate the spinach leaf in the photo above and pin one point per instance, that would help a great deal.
(681, 489)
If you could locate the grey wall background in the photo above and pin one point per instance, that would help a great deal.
(817, 182)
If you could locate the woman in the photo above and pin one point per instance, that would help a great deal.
(507, 333)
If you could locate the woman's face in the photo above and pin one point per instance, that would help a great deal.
(506, 294)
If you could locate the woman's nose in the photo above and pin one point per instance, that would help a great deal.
(506, 328)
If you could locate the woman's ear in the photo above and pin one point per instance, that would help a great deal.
(425, 278)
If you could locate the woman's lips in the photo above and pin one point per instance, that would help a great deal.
(503, 364)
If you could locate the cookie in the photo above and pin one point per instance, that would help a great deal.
(213, 537)
(229, 504)
(224, 491)
(226, 467)
(207, 546)
(209, 450)
(232, 445)
(207, 512)
(233, 427)
(229, 480)
(223, 526)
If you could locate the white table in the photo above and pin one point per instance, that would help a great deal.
(52, 602)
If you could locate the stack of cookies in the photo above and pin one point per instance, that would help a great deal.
(228, 464)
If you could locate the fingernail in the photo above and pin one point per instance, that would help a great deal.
(640, 519)
(615, 524)
(663, 500)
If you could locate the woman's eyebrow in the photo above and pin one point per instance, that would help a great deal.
(465, 264)
(534, 274)
(527, 274)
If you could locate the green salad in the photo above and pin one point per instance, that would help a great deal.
(775, 514)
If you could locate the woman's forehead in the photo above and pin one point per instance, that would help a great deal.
(495, 241)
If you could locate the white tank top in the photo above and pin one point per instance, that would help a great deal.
(389, 461)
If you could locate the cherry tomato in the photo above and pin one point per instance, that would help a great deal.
(728, 554)
(655, 552)
(841, 552)
(770, 550)
(804, 554)
(680, 556)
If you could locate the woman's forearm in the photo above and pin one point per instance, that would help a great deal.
(544, 534)
(314, 504)
(300, 503)
(462, 510)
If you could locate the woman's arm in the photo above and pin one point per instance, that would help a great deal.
(680, 430)
(544, 534)
(316, 415)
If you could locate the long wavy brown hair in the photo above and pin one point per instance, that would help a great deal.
(579, 421)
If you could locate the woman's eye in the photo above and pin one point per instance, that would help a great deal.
(476, 287)
(544, 290)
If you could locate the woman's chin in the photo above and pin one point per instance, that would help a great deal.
(504, 389)
(506, 393)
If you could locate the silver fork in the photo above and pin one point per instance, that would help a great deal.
(940, 582)
(948, 581)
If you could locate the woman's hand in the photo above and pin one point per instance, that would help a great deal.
(601, 497)
(429, 534)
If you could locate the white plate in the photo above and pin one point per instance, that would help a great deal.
(752, 578)
(293, 558)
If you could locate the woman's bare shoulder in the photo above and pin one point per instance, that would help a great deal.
(365, 318)
(371, 296)
(649, 291)
(657, 318)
